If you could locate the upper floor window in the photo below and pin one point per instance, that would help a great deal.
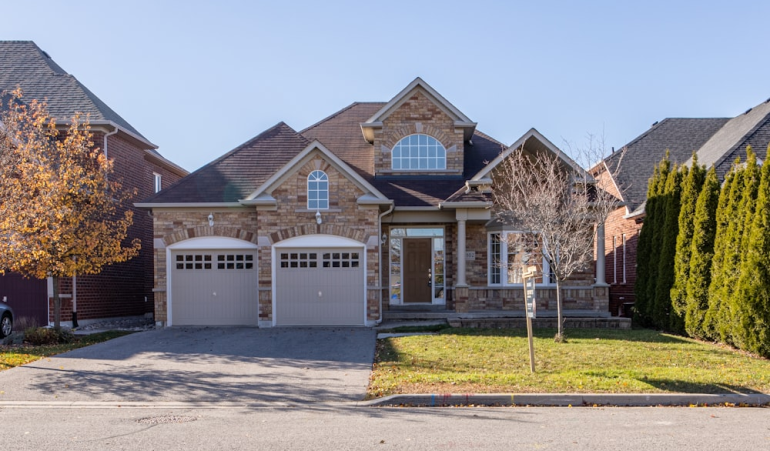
(317, 191)
(418, 152)
(156, 180)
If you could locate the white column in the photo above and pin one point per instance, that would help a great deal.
(600, 254)
(461, 253)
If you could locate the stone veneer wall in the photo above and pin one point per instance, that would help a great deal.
(344, 218)
(418, 114)
(175, 226)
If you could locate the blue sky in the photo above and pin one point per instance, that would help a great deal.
(198, 78)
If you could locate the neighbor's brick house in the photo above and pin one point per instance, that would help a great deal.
(717, 142)
(124, 289)
(378, 207)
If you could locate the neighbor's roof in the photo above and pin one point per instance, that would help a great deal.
(751, 128)
(24, 64)
(680, 136)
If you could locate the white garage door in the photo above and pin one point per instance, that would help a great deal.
(319, 287)
(214, 288)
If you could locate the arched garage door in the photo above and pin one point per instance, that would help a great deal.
(214, 287)
(320, 286)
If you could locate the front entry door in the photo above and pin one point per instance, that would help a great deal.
(417, 270)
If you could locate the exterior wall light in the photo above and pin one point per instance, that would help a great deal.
(211, 219)
(318, 219)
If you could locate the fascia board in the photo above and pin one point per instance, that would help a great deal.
(151, 205)
(456, 205)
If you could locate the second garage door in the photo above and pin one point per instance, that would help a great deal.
(319, 287)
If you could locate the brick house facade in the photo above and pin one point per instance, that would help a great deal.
(124, 289)
(333, 228)
(717, 142)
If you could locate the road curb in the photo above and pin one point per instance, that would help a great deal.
(570, 400)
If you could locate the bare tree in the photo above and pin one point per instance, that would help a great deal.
(557, 205)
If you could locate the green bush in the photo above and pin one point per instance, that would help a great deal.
(43, 336)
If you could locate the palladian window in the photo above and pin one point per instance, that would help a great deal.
(317, 191)
(421, 152)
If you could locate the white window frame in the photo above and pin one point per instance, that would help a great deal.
(614, 259)
(624, 257)
(504, 261)
(417, 153)
(157, 181)
(321, 178)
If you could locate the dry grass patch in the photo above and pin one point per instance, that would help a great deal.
(591, 361)
(13, 356)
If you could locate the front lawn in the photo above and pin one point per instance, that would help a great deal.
(591, 361)
(12, 356)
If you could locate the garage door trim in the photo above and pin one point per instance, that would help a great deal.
(319, 241)
(197, 243)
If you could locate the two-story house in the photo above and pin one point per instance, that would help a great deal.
(376, 207)
(120, 290)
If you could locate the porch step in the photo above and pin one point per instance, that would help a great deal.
(543, 322)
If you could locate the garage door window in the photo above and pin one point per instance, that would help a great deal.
(299, 260)
(193, 261)
(235, 261)
(340, 260)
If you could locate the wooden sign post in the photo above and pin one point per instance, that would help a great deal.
(529, 276)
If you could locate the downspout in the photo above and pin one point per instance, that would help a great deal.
(379, 253)
(105, 140)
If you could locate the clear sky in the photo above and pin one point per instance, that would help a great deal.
(198, 78)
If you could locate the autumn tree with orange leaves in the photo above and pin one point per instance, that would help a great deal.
(60, 213)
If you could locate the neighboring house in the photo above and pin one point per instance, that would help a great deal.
(717, 141)
(120, 290)
(380, 206)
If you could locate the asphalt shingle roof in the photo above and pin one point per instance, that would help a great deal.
(749, 129)
(238, 173)
(23, 63)
(680, 136)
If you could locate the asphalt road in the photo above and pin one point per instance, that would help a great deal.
(349, 428)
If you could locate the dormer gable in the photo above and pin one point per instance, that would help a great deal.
(418, 132)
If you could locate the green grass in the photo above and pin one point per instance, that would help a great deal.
(13, 356)
(591, 361)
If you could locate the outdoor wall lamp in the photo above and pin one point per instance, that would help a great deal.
(318, 219)
(211, 219)
(384, 238)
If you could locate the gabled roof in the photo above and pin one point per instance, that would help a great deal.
(534, 142)
(371, 193)
(418, 84)
(238, 173)
(750, 128)
(680, 136)
(340, 133)
(24, 64)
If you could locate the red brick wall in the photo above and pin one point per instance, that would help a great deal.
(622, 231)
(123, 289)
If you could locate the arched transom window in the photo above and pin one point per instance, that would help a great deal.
(317, 191)
(418, 152)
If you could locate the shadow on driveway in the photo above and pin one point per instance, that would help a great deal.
(205, 364)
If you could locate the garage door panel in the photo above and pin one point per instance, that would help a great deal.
(320, 287)
(220, 293)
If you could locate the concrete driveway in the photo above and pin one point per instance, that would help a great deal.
(204, 365)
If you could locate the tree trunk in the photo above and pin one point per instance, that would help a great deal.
(560, 333)
(56, 304)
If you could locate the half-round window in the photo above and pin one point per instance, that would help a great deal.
(421, 152)
(317, 191)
